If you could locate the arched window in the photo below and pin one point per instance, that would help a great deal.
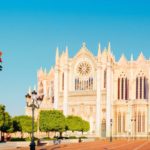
(136, 88)
(118, 88)
(142, 87)
(105, 75)
(145, 96)
(126, 89)
(63, 81)
(123, 88)
(119, 122)
(146, 88)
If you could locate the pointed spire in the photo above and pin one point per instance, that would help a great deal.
(67, 51)
(40, 70)
(34, 88)
(131, 57)
(99, 52)
(57, 55)
(84, 44)
(141, 55)
(45, 71)
(109, 47)
(99, 49)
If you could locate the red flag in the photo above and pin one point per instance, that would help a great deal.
(0, 53)
(0, 60)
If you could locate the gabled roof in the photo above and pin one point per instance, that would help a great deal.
(122, 59)
(84, 51)
(141, 58)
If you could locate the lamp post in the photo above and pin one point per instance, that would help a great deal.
(110, 130)
(33, 101)
(0, 61)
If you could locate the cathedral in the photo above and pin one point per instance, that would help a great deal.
(113, 96)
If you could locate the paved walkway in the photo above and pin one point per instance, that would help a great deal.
(97, 145)
(7, 146)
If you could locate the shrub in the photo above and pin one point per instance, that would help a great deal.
(17, 139)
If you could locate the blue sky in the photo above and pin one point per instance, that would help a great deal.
(30, 31)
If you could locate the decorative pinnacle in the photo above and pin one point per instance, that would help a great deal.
(57, 55)
(83, 44)
(131, 57)
(45, 71)
(67, 50)
(109, 47)
(34, 88)
(99, 50)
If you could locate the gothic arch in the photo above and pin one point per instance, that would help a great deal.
(142, 85)
(123, 86)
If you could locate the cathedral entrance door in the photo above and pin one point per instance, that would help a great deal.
(103, 128)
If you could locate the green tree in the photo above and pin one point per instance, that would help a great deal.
(75, 123)
(24, 124)
(52, 120)
(2, 112)
(8, 125)
(5, 122)
(85, 126)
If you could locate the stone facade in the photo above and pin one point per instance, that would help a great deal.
(112, 95)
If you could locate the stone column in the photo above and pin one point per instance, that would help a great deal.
(121, 122)
(56, 80)
(117, 122)
(45, 88)
(65, 103)
(108, 100)
(56, 88)
(98, 101)
(66, 83)
(129, 119)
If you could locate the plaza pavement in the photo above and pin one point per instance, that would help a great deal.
(96, 145)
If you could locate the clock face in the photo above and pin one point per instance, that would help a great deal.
(84, 68)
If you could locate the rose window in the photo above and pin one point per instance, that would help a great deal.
(83, 69)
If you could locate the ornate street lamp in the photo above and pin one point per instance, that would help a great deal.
(33, 101)
(110, 130)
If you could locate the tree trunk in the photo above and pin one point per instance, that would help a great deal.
(22, 135)
(60, 134)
